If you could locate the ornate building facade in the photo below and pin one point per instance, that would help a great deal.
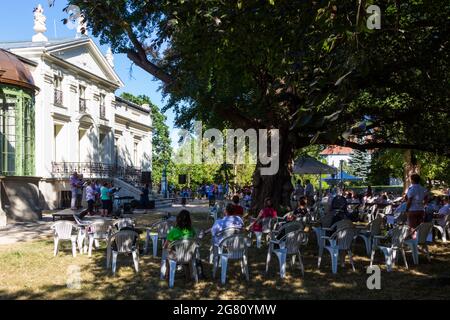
(67, 118)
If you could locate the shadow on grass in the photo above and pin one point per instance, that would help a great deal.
(427, 280)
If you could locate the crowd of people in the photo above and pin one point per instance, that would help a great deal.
(99, 196)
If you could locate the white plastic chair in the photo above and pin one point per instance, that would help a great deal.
(398, 235)
(341, 240)
(372, 213)
(387, 210)
(123, 223)
(181, 252)
(289, 244)
(373, 229)
(320, 231)
(267, 224)
(423, 233)
(98, 230)
(443, 230)
(213, 212)
(126, 241)
(214, 249)
(64, 231)
(233, 247)
(158, 230)
(82, 234)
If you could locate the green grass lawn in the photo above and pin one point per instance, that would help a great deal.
(29, 271)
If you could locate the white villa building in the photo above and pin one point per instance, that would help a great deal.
(334, 155)
(76, 123)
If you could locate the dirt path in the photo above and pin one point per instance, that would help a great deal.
(29, 231)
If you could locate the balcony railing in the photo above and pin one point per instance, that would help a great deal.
(97, 170)
(58, 97)
(82, 105)
(102, 112)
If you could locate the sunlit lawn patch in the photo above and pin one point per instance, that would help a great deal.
(29, 271)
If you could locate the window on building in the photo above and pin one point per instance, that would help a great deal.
(135, 152)
(58, 94)
(28, 137)
(102, 106)
(8, 135)
(57, 147)
(16, 133)
(82, 101)
(116, 151)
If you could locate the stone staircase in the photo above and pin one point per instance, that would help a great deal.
(128, 190)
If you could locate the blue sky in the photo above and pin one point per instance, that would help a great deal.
(16, 24)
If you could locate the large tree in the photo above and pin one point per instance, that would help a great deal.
(312, 69)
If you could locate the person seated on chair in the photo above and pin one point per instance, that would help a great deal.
(237, 209)
(230, 220)
(301, 211)
(444, 211)
(182, 230)
(267, 212)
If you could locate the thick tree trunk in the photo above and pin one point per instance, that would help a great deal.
(278, 186)
(411, 166)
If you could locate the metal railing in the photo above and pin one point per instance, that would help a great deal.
(58, 97)
(82, 105)
(98, 170)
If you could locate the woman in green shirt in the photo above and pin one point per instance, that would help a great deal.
(182, 230)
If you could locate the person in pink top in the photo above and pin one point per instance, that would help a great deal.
(266, 212)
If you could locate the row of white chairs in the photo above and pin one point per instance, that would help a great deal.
(96, 231)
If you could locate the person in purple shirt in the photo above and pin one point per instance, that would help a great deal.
(75, 184)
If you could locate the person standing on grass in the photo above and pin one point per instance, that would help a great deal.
(237, 209)
(105, 197)
(301, 211)
(309, 193)
(98, 202)
(74, 186)
(91, 195)
(144, 196)
(80, 191)
(417, 198)
(220, 191)
(112, 191)
(299, 190)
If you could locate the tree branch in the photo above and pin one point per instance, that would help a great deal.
(151, 68)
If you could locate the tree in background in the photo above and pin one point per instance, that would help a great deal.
(389, 163)
(311, 69)
(359, 164)
(161, 144)
(208, 173)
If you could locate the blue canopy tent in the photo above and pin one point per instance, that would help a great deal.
(341, 176)
(309, 165)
